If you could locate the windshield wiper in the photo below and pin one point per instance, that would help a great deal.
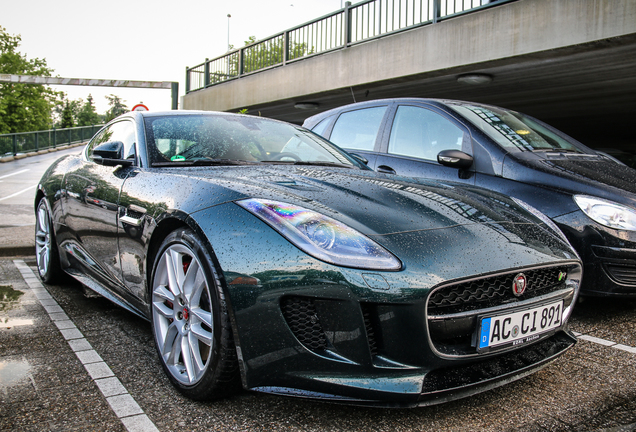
(314, 163)
(556, 150)
(204, 162)
(321, 163)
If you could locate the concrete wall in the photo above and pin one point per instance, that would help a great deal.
(500, 33)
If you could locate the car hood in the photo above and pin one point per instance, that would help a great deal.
(372, 203)
(577, 174)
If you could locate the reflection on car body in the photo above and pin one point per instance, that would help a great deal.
(266, 257)
(589, 195)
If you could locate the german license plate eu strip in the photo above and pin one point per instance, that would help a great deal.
(519, 327)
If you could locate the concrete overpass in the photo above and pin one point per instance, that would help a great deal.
(571, 63)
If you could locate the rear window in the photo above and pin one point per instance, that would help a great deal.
(358, 129)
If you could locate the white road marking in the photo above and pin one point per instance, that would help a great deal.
(121, 402)
(605, 342)
(18, 193)
(15, 173)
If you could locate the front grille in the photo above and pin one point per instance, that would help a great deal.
(624, 274)
(492, 291)
(302, 318)
(453, 311)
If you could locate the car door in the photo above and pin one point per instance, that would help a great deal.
(91, 206)
(359, 131)
(415, 136)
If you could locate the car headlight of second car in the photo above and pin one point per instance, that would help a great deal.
(607, 213)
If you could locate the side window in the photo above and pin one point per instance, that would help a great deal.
(320, 127)
(422, 133)
(123, 131)
(358, 129)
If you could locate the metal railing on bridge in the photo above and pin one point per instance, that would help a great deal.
(25, 142)
(366, 20)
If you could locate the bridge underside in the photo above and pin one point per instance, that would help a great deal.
(573, 66)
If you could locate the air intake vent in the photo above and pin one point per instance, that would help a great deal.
(370, 328)
(302, 319)
(621, 273)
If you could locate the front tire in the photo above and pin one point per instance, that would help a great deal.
(190, 321)
(46, 251)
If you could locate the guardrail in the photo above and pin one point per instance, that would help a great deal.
(351, 25)
(25, 142)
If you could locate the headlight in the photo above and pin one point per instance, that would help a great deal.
(607, 213)
(546, 220)
(322, 237)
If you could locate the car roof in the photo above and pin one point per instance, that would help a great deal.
(430, 101)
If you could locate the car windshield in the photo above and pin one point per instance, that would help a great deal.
(513, 130)
(209, 139)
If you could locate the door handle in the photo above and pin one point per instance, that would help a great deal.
(385, 169)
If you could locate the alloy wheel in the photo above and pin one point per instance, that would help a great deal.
(182, 314)
(43, 239)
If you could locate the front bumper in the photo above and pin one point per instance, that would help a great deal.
(608, 255)
(335, 346)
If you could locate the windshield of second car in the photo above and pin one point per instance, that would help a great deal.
(180, 139)
(513, 130)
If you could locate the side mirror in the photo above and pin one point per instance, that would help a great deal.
(110, 154)
(359, 158)
(455, 159)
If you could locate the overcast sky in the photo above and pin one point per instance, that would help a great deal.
(143, 40)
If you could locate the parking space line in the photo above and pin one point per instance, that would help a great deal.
(18, 193)
(605, 342)
(120, 401)
(15, 173)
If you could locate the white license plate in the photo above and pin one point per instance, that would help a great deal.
(519, 327)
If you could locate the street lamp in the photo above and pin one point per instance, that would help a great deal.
(228, 31)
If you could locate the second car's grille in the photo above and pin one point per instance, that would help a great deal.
(492, 291)
(302, 318)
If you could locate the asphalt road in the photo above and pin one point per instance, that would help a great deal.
(18, 180)
(70, 362)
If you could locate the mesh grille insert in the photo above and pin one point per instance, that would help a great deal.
(302, 319)
(493, 291)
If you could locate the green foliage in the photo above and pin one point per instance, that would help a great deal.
(87, 115)
(117, 107)
(67, 116)
(259, 56)
(23, 107)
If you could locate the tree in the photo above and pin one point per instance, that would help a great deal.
(117, 107)
(67, 116)
(23, 107)
(87, 115)
(259, 56)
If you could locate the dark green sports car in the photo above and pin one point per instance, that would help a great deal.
(264, 256)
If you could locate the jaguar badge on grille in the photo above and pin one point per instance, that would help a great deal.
(519, 284)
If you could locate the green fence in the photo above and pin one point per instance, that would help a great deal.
(354, 24)
(25, 142)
